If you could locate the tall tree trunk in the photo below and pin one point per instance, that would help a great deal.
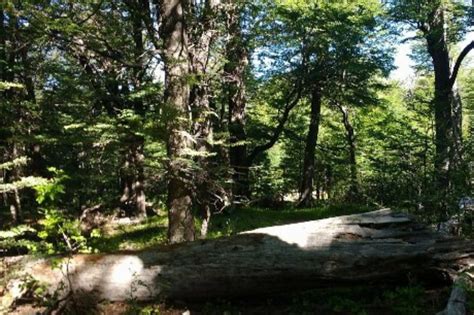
(237, 61)
(175, 54)
(202, 38)
(140, 197)
(447, 107)
(133, 199)
(461, 177)
(202, 132)
(13, 147)
(351, 144)
(133, 192)
(306, 189)
(442, 102)
(26, 77)
(13, 196)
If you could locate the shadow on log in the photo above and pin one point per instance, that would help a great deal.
(370, 248)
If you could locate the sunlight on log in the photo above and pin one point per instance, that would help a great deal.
(379, 247)
(124, 271)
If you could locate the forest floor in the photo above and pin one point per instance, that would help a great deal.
(410, 299)
(153, 231)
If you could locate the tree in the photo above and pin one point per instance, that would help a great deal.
(18, 108)
(179, 143)
(189, 31)
(441, 23)
(333, 50)
(203, 32)
(351, 145)
(110, 54)
(237, 56)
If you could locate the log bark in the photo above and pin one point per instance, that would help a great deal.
(375, 247)
(457, 303)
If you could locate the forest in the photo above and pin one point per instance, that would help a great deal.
(236, 156)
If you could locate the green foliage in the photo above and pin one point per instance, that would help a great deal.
(136, 309)
(341, 304)
(23, 182)
(49, 191)
(406, 300)
(84, 91)
(19, 239)
(146, 234)
(60, 234)
(55, 232)
(418, 14)
(21, 161)
(354, 300)
(9, 85)
(395, 145)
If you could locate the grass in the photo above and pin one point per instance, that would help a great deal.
(152, 231)
(252, 218)
(148, 233)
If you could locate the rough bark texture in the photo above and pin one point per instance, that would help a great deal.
(175, 55)
(133, 199)
(237, 62)
(307, 185)
(375, 247)
(202, 36)
(457, 303)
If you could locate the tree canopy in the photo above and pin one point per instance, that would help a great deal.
(197, 108)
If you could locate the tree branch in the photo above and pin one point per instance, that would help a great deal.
(459, 61)
(297, 92)
(279, 128)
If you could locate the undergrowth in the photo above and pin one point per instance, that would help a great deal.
(55, 233)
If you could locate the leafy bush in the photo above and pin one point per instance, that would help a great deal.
(55, 232)
(48, 192)
(60, 234)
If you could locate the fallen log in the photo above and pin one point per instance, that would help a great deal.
(375, 247)
(458, 299)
